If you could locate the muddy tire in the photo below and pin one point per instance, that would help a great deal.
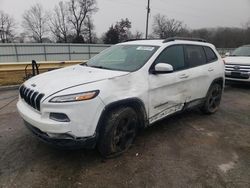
(118, 132)
(213, 98)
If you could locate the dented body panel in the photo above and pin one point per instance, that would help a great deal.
(160, 94)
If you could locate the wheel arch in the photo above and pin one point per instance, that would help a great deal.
(135, 103)
(220, 81)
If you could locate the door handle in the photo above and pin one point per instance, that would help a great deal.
(210, 69)
(183, 76)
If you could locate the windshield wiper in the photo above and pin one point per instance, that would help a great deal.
(99, 67)
(84, 64)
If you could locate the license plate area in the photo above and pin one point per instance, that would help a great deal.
(239, 75)
(236, 74)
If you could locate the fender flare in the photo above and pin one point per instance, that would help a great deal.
(136, 103)
(220, 81)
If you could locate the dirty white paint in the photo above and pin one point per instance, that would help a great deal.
(161, 94)
(166, 112)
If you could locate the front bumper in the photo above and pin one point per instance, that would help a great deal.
(64, 143)
(84, 117)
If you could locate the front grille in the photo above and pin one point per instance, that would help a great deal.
(31, 97)
(238, 68)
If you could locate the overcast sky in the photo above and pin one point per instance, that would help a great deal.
(194, 13)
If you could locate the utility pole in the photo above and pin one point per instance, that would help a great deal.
(148, 12)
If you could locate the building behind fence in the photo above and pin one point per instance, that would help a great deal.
(54, 52)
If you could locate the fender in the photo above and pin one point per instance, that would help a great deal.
(136, 103)
(220, 81)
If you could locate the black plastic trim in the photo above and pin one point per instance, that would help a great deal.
(85, 142)
(134, 102)
(184, 38)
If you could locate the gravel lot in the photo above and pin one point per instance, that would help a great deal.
(188, 150)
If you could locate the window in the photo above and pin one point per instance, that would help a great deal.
(123, 57)
(195, 55)
(174, 56)
(211, 56)
(242, 51)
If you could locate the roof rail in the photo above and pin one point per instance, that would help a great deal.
(129, 40)
(184, 38)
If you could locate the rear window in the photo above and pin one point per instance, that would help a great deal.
(195, 55)
(211, 56)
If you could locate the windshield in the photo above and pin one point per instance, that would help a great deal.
(242, 51)
(123, 57)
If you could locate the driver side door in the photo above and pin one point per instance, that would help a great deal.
(168, 92)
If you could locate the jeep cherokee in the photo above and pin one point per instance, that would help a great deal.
(128, 86)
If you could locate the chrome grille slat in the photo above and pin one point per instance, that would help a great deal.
(237, 68)
(31, 97)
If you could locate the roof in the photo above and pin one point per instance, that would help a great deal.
(161, 42)
(154, 42)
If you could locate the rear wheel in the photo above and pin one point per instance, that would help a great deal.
(213, 99)
(119, 132)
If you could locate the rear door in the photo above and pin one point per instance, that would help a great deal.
(202, 64)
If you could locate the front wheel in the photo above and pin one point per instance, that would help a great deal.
(213, 99)
(118, 132)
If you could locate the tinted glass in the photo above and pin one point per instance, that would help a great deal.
(174, 56)
(211, 56)
(123, 57)
(195, 56)
(242, 51)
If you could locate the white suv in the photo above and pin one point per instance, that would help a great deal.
(128, 86)
(238, 65)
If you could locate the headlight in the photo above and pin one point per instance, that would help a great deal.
(75, 97)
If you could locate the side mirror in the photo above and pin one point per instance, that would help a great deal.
(163, 68)
(227, 54)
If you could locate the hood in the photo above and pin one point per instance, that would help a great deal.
(237, 60)
(58, 80)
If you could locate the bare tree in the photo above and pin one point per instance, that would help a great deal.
(7, 26)
(35, 22)
(59, 22)
(136, 35)
(164, 27)
(90, 35)
(79, 10)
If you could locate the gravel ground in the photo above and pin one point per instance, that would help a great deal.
(188, 150)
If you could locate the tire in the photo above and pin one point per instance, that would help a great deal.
(118, 132)
(213, 99)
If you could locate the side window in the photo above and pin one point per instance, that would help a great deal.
(195, 55)
(211, 56)
(174, 56)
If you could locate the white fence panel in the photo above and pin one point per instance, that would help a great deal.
(56, 52)
(48, 52)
